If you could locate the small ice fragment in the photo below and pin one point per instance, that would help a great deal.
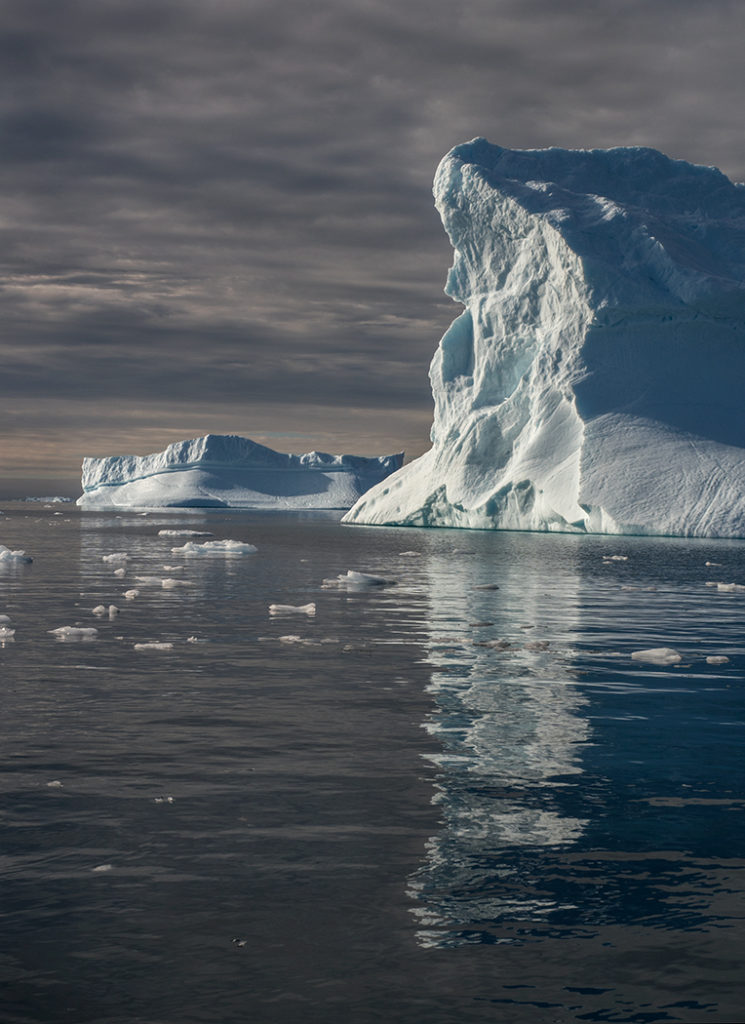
(615, 558)
(291, 638)
(154, 646)
(130, 595)
(239, 942)
(171, 584)
(657, 656)
(228, 548)
(103, 867)
(100, 609)
(163, 800)
(152, 580)
(74, 632)
(293, 609)
(717, 659)
(711, 583)
(117, 556)
(184, 533)
(173, 568)
(730, 588)
(6, 633)
(358, 580)
(113, 611)
(409, 554)
(120, 572)
(6, 555)
(195, 640)
(55, 784)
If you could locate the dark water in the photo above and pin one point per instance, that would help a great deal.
(395, 822)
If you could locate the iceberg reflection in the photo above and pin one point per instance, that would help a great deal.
(510, 722)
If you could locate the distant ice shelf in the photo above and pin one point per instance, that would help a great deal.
(594, 381)
(227, 471)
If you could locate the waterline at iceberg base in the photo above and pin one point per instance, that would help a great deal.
(227, 471)
(595, 380)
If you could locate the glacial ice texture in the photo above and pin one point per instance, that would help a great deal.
(230, 472)
(595, 379)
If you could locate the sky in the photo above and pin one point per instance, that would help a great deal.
(217, 214)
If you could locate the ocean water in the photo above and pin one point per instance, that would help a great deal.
(453, 798)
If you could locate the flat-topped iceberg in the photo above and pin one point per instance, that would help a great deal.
(230, 472)
(595, 380)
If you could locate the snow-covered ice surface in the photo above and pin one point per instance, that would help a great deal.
(230, 471)
(594, 380)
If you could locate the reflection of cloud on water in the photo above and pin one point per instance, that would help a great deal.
(510, 723)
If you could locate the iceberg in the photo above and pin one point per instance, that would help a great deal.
(594, 381)
(217, 471)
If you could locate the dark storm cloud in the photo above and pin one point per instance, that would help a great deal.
(230, 200)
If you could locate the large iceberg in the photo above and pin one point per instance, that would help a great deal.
(230, 472)
(595, 380)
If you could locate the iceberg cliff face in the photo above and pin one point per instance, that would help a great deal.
(229, 471)
(595, 380)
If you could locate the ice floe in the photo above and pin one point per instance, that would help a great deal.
(8, 556)
(353, 580)
(657, 656)
(154, 646)
(6, 634)
(215, 547)
(115, 556)
(130, 595)
(717, 659)
(74, 632)
(293, 609)
(184, 533)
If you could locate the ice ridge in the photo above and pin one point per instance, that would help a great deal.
(594, 380)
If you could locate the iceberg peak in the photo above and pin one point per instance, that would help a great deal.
(594, 380)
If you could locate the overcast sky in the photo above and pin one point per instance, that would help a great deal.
(217, 214)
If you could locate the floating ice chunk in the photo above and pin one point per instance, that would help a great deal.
(116, 556)
(120, 572)
(215, 547)
(163, 800)
(195, 640)
(151, 580)
(730, 588)
(173, 568)
(100, 609)
(293, 609)
(657, 656)
(717, 659)
(130, 595)
(55, 784)
(354, 580)
(184, 533)
(615, 558)
(5, 618)
(6, 634)
(291, 638)
(409, 554)
(113, 611)
(6, 555)
(74, 632)
(171, 584)
(101, 868)
(154, 646)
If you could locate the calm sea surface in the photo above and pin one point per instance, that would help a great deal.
(429, 802)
